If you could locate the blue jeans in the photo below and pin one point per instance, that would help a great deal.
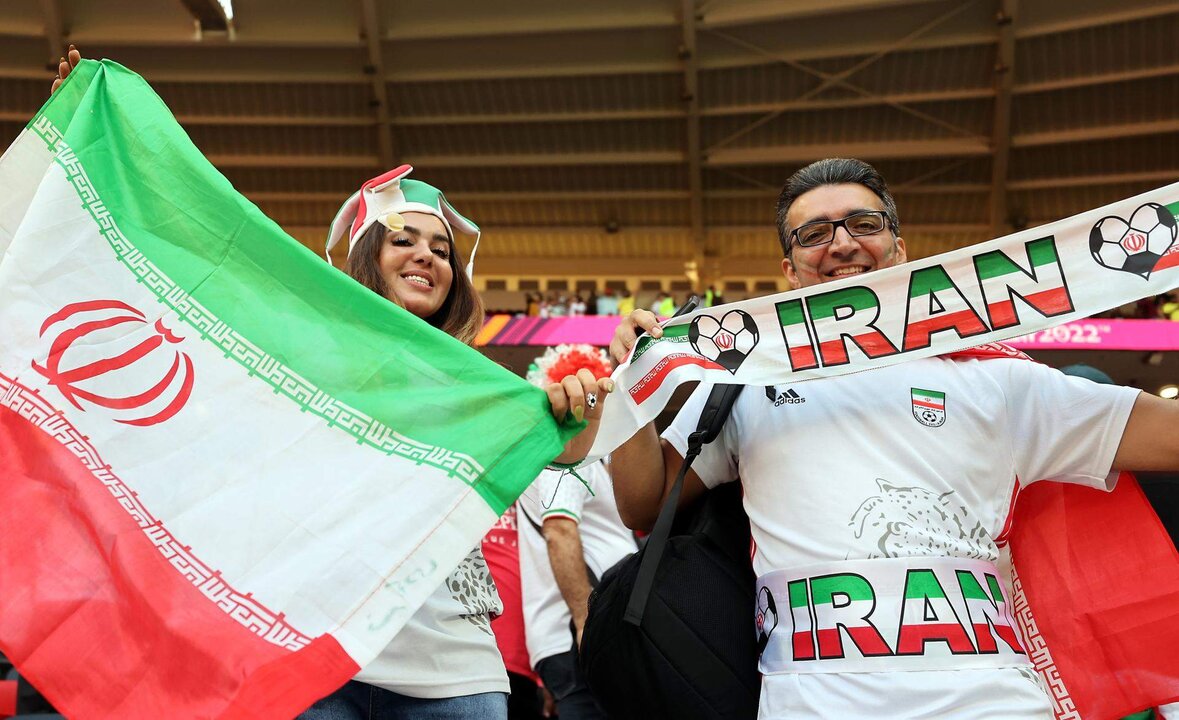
(358, 701)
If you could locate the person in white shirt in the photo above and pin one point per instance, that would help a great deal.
(570, 534)
(875, 499)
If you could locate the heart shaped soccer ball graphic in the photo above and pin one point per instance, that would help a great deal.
(727, 341)
(766, 618)
(1133, 246)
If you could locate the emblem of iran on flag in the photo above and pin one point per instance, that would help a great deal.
(228, 473)
(929, 407)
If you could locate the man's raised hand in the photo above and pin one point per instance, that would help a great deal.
(628, 331)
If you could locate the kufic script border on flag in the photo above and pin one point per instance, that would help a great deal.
(282, 378)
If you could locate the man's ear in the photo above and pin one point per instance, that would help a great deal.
(902, 255)
(788, 271)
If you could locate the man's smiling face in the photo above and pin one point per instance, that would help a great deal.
(845, 255)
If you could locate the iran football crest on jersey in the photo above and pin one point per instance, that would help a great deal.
(109, 356)
(929, 407)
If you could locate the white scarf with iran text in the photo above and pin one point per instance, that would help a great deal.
(985, 293)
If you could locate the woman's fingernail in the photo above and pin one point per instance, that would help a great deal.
(609, 386)
(657, 331)
(579, 413)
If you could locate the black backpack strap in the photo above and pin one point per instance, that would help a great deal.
(712, 419)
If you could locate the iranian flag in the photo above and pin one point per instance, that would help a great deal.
(228, 473)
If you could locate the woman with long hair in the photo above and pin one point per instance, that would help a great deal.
(444, 663)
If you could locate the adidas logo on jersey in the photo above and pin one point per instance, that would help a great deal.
(789, 397)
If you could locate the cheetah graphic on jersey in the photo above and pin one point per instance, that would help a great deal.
(915, 522)
(471, 585)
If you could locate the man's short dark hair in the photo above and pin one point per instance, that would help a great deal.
(833, 171)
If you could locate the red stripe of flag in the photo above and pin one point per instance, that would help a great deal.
(1049, 302)
(87, 596)
(921, 403)
(646, 387)
(1101, 577)
(1170, 260)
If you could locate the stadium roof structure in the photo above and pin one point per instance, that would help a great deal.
(636, 137)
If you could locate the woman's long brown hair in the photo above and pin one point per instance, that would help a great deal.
(461, 314)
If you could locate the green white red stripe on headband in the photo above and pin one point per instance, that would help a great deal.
(384, 199)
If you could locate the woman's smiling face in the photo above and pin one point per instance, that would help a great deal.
(415, 263)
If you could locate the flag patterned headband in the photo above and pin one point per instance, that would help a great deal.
(384, 198)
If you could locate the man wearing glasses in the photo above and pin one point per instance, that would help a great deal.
(876, 498)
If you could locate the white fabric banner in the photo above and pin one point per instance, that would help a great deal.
(985, 293)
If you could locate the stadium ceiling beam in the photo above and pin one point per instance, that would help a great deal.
(1005, 19)
(1158, 176)
(376, 71)
(54, 33)
(932, 189)
(1096, 132)
(1109, 78)
(647, 157)
(546, 117)
(507, 25)
(276, 120)
(1126, 12)
(752, 13)
(979, 93)
(653, 157)
(241, 160)
(762, 194)
(715, 14)
(676, 113)
(730, 157)
(690, 95)
(840, 78)
(204, 77)
(799, 154)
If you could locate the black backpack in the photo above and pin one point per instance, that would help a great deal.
(670, 632)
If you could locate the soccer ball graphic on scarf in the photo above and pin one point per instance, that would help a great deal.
(1134, 246)
(726, 342)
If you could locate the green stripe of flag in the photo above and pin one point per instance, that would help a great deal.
(927, 280)
(991, 265)
(790, 313)
(824, 589)
(971, 589)
(930, 395)
(280, 299)
(673, 333)
(797, 590)
(922, 583)
(857, 298)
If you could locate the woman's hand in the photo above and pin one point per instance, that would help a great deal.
(583, 397)
(580, 395)
(68, 63)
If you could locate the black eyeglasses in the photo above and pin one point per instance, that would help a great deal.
(821, 232)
